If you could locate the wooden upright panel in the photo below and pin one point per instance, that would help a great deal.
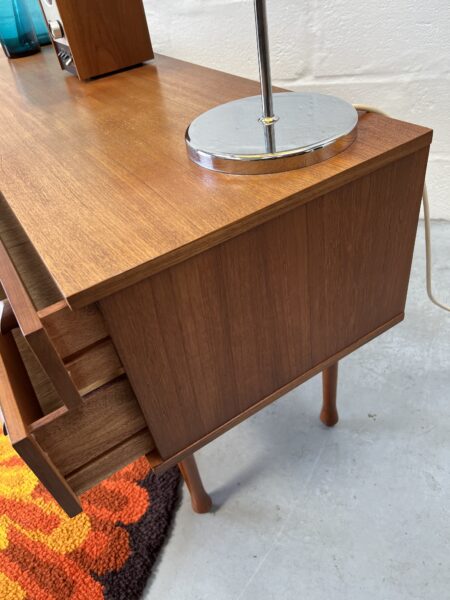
(209, 338)
(105, 35)
(361, 240)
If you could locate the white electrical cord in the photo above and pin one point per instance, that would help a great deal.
(426, 214)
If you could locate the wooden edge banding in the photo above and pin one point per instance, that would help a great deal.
(41, 465)
(21, 304)
(52, 309)
(47, 419)
(52, 363)
(160, 465)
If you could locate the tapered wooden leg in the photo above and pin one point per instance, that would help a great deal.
(329, 415)
(200, 500)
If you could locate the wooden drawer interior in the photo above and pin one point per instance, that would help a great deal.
(108, 430)
(86, 350)
(73, 331)
(89, 443)
(69, 450)
(81, 339)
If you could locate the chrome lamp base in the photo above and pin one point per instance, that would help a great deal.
(305, 128)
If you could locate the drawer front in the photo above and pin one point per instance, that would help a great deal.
(106, 464)
(20, 409)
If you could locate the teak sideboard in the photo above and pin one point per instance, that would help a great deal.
(150, 305)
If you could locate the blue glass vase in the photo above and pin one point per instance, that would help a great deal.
(39, 23)
(17, 33)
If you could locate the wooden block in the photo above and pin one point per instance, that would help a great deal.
(105, 35)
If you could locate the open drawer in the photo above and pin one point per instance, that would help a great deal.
(66, 402)
(70, 450)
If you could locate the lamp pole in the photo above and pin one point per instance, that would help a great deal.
(292, 130)
(262, 38)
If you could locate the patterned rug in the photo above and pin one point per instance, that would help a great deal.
(108, 551)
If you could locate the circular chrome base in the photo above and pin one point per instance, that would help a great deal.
(307, 128)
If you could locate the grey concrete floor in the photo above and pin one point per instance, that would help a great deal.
(361, 511)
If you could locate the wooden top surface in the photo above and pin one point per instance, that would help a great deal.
(98, 176)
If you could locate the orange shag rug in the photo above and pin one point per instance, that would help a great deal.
(107, 552)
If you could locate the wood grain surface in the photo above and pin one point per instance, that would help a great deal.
(159, 465)
(48, 397)
(206, 340)
(98, 177)
(19, 404)
(74, 331)
(110, 461)
(43, 467)
(95, 367)
(107, 417)
(360, 246)
(19, 408)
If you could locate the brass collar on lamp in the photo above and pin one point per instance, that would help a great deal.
(272, 132)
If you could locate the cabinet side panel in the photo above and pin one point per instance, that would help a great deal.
(205, 340)
(360, 247)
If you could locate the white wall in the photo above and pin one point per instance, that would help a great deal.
(394, 54)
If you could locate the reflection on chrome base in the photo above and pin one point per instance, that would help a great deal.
(306, 128)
